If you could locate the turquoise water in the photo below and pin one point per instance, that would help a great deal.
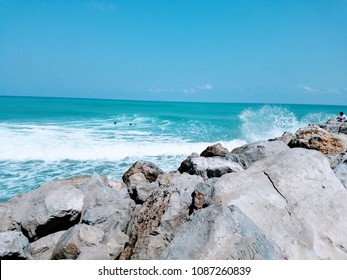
(42, 139)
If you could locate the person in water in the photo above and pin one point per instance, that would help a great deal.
(342, 117)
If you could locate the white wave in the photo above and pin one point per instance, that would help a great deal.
(56, 143)
(271, 121)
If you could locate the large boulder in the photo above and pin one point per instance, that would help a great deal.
(219, 232)
(53, 207)
(250, 153)
(316, 138)
(295, 199)
(14, 246)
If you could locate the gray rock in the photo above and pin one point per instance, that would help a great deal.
(161, 216)
(14, 246)
(98, 252)
(74, 240)
(286, 137)
(148, 169)
(52, 207)
(340, 170)
(42, 248)
(219, 232)
(139, 188)
(212, 167)
(250, 153)
(296, 201)
(334, 126)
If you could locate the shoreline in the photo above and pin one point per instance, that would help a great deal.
(258, 191)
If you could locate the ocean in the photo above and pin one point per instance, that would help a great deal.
(44, 139)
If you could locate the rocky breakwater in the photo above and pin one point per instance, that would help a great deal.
(284, 198)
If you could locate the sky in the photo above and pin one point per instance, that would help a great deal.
(261, 51)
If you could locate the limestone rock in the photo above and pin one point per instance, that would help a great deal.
(219, 232)
(42, 248)
(334, 126)
(316, 138)
(295, 199)
(212, 167)
(75, 239)
(52, 207)
(160, 217)
(215, 150)
(286, 137)
(148, 169)
(14, 246)
(250, 153)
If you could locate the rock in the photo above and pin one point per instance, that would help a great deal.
(215, 150)
(14, 246)
(334, 126)
(286, 137)
(202, 195)
(340, 170)
(148, 169)
(160, 217)
(7, 209)
(316, 138)
(219, 232)
(74, 241)
(212, 167)
(139, 188)
(98, 252)
(186, 165)
(53, 207)
(250, 153)
(295, 199)
(42, 249)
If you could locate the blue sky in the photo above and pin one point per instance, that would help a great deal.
(268, 51)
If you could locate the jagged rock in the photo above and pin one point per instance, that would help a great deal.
(42, 248)
(215, 150)
(186, 165)
(219, 232)
(148, 169)
(212, 166)
(316, 138)
(334, 126)
(139, 188)
(73, 241)
(250, 153)
(54, 206)
(14, 246)
(340, 169)
(296, 201)
(286, 137)
(160, 217)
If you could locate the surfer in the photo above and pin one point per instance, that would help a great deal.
(115, 123)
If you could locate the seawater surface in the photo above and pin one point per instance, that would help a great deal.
(44, 139)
